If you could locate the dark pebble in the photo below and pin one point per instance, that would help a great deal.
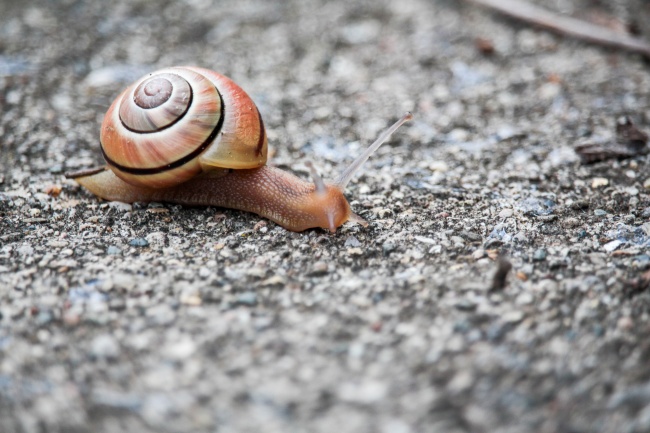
(470, 236)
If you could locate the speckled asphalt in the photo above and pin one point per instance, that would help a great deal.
(157, 317)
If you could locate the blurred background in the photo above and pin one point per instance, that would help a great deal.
(322, 73)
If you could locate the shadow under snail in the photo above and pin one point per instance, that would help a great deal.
(191, 136)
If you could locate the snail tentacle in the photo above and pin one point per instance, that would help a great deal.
(354, 167)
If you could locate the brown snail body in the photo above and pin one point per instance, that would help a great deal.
(218, 161)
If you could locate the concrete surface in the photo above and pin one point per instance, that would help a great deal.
(155, 317)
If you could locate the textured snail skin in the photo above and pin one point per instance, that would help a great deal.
(269, 192)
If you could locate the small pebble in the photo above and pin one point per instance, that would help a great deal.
(457, 240)
(465, 305)
(319, 268)
(611, 246)
(625, 323)
(597, 182)
(123, 280)
(505, 213)
(351, 241)
(366, 392)
(427, 240)
(600, 212)
(641, 261)
(513, 316)
(571, 222)
(478, 254)
(113, 250)
(138, 242)
(539, 255)
(471, 236)
(536, 206)
(44, 317)
(105, 347)
(360, 32)
(118, 205)
(247, 298)
(179, 350)
(520, 237)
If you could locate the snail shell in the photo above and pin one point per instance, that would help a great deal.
(173, 124)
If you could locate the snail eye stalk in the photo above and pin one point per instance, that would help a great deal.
(318, 180)
(352, 169)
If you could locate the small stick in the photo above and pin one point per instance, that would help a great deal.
(567, 26)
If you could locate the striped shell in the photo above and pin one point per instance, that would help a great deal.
(178, 122)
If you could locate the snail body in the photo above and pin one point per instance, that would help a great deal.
(191, 136)
(273, 193)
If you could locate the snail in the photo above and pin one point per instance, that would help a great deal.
(191, 136)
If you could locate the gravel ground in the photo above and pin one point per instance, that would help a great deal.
(155, 317)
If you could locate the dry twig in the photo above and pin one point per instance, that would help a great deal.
(630, 141)
(567, 26)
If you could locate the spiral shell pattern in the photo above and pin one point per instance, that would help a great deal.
(174, 124)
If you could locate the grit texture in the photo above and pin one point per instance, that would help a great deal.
(502, 284)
